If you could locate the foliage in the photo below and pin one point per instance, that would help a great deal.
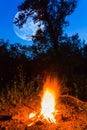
(49, 13)
(23, 69)
(22, 77)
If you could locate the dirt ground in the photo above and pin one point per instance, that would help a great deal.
(71, 115)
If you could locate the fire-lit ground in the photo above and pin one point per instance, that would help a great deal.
(72, 115)
(48, 111)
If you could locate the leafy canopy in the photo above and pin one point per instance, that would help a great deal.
(52, 13)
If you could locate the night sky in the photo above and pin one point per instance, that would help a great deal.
(8, 9)
(78, 20)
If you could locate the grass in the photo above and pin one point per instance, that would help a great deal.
(20, 91)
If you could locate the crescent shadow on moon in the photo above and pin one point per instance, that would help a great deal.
(28, 29)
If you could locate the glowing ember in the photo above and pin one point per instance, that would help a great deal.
(32, 115)
(48, 106)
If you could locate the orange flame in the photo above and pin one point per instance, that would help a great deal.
(49, 99)
(48, 106)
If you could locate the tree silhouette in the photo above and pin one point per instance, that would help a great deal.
(50, 13)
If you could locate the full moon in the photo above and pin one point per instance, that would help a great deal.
(28, 29)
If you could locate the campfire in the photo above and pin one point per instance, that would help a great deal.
(48, 106)
(49, 95)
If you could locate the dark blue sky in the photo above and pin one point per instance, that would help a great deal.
(78, 20)
(8, 9)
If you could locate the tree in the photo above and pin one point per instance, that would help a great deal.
(52, 14)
